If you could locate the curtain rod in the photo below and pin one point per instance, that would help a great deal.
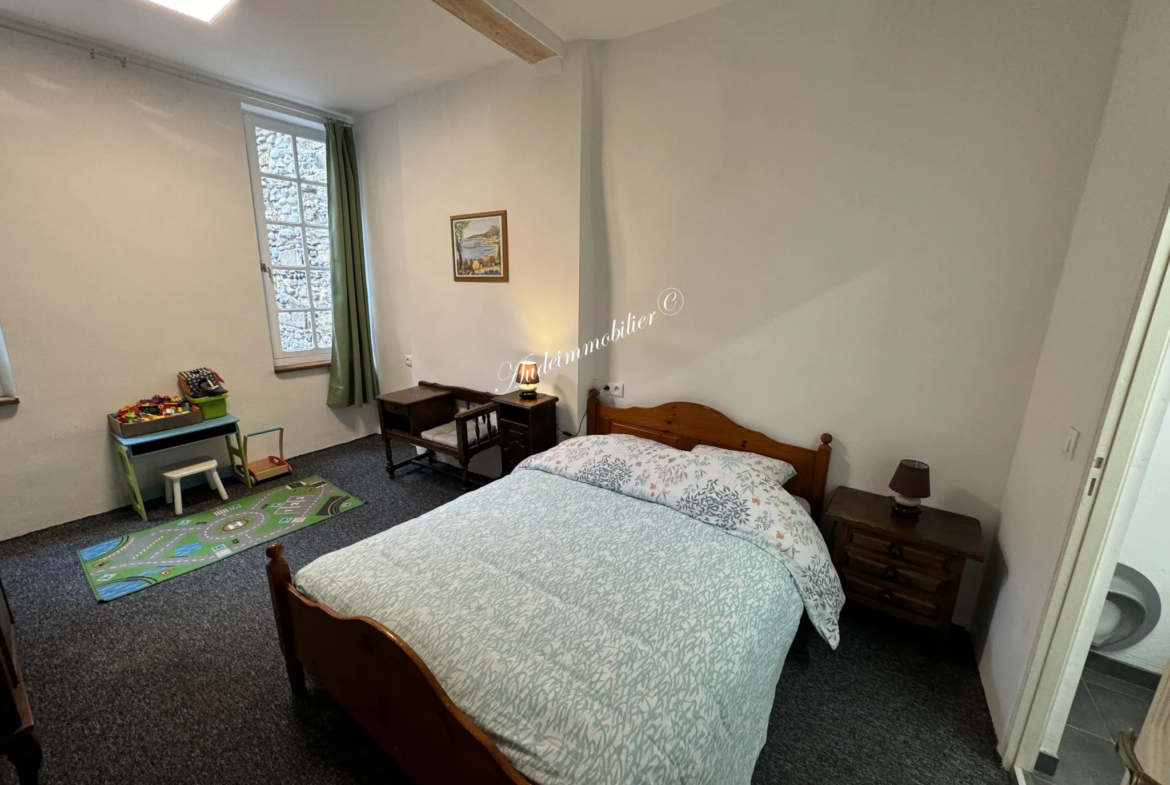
(128, 57)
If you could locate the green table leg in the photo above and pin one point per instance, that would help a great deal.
(131, 480)
(239, 450)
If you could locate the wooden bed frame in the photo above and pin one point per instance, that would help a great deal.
(391, 692)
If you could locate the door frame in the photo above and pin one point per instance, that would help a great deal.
(1096, 527)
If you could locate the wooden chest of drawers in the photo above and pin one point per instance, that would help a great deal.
(526, 427)
(909, 568)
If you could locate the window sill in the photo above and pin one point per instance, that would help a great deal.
(9, 400)
(309, 366)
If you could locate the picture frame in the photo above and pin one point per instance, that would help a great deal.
(479, 247)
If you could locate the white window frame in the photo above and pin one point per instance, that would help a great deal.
(7, 382)
(295, 128)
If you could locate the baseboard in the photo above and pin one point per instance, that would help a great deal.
(1046, 764)
(1123, 671)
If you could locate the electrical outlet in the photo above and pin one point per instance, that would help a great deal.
(616, 389)
(409, 361)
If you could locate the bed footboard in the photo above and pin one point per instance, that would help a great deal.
(385, 686)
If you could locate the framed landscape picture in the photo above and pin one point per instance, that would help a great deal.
(479, 246)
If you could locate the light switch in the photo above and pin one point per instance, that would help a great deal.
(1069, 446)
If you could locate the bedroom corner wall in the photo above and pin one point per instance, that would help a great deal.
(1112, 241)
(509, 138)
(130, 254)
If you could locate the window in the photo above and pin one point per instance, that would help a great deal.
(291, 196)
(7, 383)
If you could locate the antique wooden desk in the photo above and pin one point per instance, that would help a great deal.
(407, 414)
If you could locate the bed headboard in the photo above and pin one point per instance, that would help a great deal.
(684, 425)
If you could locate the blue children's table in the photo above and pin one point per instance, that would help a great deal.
(134, 446)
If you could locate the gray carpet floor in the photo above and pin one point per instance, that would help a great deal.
(183, 682)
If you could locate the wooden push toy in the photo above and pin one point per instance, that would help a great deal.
(265, 468)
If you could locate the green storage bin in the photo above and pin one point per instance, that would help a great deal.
(215, 406)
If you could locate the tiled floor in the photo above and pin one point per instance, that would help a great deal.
(1103, 707)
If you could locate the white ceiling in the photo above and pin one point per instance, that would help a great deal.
(345, 55)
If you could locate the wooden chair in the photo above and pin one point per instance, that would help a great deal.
(440, 418)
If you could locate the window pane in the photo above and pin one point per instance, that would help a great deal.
(280, 201)
(286, 246)
(324, 329)
(296, 331)
(312, 157)
(7, 383)
(276, 152)
(292, 289)
(322, 288)
(317, 244)
(316, 199)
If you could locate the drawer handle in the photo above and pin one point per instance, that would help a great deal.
(891, 574)
(886, 596)
(895, 550)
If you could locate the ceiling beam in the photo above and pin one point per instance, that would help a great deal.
(510, 26)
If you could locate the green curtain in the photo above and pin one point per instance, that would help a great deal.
(351, 380)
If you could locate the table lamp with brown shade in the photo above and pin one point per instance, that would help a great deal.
(527, 378)
(911, 484)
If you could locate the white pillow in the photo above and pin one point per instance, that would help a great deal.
(770, 469)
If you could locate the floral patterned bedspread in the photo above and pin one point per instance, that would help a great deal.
(596, 639)
(725, 491)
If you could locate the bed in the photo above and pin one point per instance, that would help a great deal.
(554, 627)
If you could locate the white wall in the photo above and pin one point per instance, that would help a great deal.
(1111, 244)
(1147, 549)
(508, 138)
(130, 254)
(380, 162)
(866, 206)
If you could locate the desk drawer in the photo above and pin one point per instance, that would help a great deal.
(874, 566)
(911, 554)
(514, 430)
(515, 444)
(394, 407)
(394, 416)
(874, 590)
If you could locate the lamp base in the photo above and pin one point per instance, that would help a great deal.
(528, 395)
(907, 507)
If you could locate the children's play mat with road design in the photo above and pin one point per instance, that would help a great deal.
(132, 562)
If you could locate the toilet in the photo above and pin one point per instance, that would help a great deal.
(1132, 609)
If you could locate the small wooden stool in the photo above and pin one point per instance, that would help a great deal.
(175, 473)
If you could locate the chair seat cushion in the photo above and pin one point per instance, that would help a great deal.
(447, 435)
